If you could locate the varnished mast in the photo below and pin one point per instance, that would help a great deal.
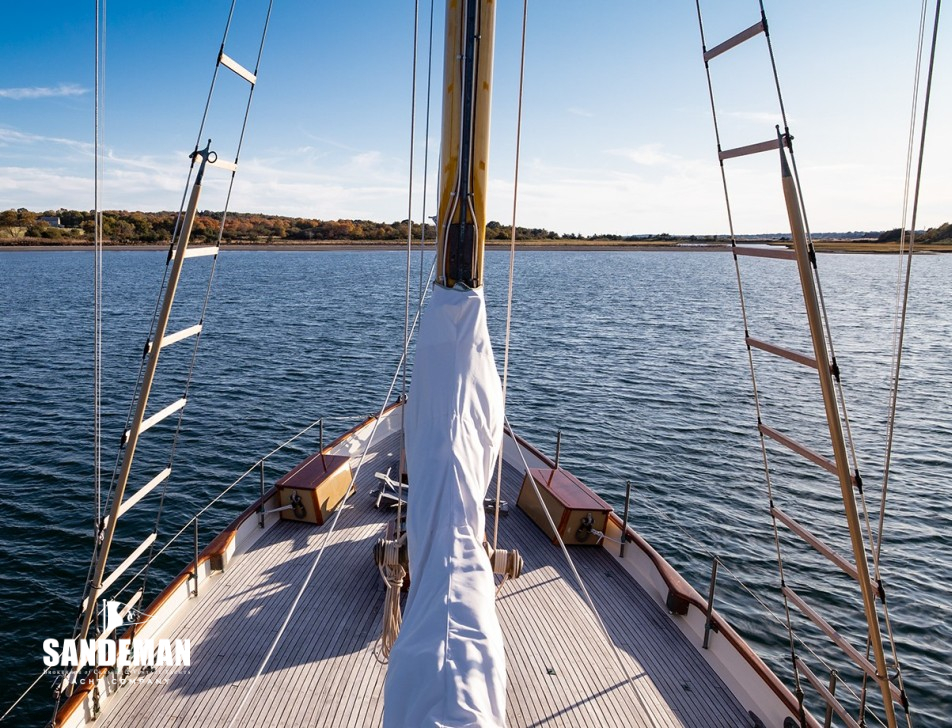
(468, 64)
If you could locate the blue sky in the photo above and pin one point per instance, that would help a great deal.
(617, 134)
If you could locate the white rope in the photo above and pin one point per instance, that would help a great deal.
(602, 536)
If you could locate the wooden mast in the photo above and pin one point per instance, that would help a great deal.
(467, 88)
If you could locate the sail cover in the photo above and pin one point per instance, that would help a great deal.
(447, 667)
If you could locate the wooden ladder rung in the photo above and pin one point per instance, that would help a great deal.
(230, 63)
(735, 40)
(781, 253)
(162, 414)
(155, 419)
(790, 354)
(170, 339)
(841, 642)
(230, 166)
(743, 151)
(820, 547)
(119, 570)
(799, 449)
(201, 251)
(144, 491)
(827, 696)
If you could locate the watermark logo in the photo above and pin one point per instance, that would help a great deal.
(106, 651)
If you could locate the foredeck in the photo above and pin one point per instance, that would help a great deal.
(323, 670)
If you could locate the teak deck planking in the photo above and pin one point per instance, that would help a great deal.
(324, 671)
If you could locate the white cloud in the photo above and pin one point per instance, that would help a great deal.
(649, 155)
(19, 138)
(758, 117)
(576, 111)
(670, 198)
(42, 92)
(367, 160)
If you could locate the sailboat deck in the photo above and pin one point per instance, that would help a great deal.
(323, 670)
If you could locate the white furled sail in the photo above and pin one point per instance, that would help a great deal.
(448, 667)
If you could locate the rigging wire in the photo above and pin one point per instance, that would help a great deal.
(179, 233)
(894, 394)
(214, 263)
(24, 694)
(758, 409)
(406, 315)
(99, 73)
(175, 234)
(596, 616)
(99, 44)
(843, 412)
(426, 151)
(901, 311)
(512, 261)
(98, 157)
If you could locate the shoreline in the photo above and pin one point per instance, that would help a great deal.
(349, 246)
(654, 246)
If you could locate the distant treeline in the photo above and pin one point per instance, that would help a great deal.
(932, 235)
(123, 227)
(120, 226)
(157, 227)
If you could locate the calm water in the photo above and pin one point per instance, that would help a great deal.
(636, 357)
